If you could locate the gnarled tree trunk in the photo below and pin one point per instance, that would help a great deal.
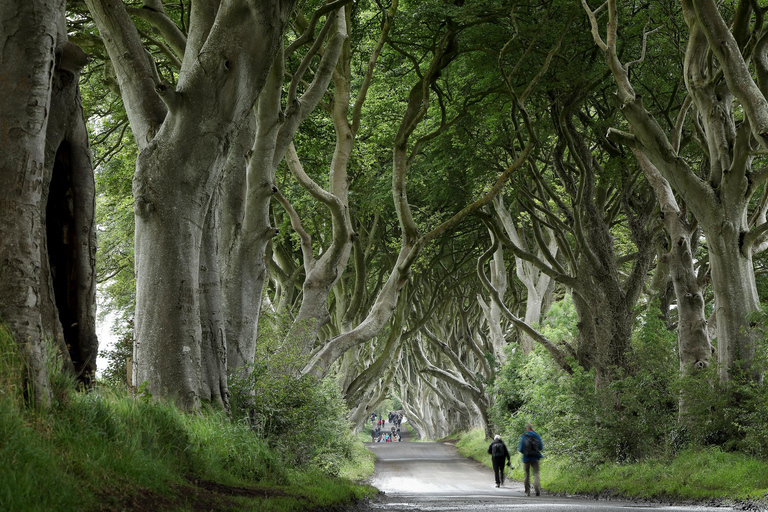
(46, 194)
(184, 142)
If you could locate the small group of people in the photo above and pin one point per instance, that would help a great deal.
(530, 446)
(378, 436)
(387, 438)
(377, 420)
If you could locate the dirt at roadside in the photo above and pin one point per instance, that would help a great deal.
(196, 495)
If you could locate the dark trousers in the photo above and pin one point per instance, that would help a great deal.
(534, 464)
(498, 469)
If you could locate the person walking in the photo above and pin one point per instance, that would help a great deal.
(531, 448)
(499, 453)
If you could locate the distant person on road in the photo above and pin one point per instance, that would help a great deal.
(531, 448)
(499, 453)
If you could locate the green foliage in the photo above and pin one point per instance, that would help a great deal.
(633, 418)
(360, 465)
(115, 228)
(636, 417)
(103, 449)
(730, 415)
(12, 368)
(117, 356)
(305, 420)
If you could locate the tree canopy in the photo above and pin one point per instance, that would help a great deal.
(413, 198)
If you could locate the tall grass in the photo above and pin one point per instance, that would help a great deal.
(101, 450)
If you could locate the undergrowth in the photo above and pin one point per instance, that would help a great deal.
(105, 450)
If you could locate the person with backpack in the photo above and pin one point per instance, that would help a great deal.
(498, 451)
(531, 448)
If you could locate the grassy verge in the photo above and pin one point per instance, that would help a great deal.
(361, 465)
(696, 474)
(106, 451)
(109, 452)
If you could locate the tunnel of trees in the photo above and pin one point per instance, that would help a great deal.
(488, 211)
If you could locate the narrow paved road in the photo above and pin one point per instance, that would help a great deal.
(434, 477)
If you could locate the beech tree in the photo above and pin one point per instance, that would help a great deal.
(409, 140)
(47, 247)
(184, 134)
(729, 115)
(249, 188)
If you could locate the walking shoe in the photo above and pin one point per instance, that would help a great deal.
(497, 485)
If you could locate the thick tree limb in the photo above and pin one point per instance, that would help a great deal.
(735, 69)
(134, 73)
(153, 12)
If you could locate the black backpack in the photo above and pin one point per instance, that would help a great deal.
(497, 450)
(530, 446)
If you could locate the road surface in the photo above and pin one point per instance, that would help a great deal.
(421, 477)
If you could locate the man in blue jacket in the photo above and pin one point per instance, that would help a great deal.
(531, 448)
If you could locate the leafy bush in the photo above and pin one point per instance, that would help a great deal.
(632, 418)
(302, 418)
(117, 357)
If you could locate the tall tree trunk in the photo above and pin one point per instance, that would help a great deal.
(183, 147)
(733, 279)
(43, 144)
(246, 269)
(213, 354)
(233, 194)
(246, 266)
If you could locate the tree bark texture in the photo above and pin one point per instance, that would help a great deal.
(214, 389)
(46, 194)
(69, 218)
(246, 269)
(721, 202)
(184, 136)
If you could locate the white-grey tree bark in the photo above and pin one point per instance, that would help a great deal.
(246, 269)
(46, 194)
(537, 283)
(184, 134)
(720, 203)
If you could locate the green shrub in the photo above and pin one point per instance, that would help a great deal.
(632, 418)
(303, 419)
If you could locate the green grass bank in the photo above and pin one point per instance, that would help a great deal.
(692, 475)
(105, 451)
